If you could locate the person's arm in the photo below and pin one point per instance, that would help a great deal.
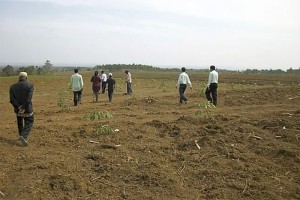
(189, 81)
(13, 99)
(178, 81)
(209, 79)
(29, 95)
(81, 82)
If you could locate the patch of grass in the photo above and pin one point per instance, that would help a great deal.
(204, 109)
(97, 115)
(62, 104)
(104, 130)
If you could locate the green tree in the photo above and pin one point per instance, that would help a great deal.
(8, 71)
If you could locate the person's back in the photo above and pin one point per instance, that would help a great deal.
(111, 83)
(76, 82)
(21, 95)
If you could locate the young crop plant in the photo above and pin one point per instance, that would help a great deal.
(104, 130)
(204, 109)
(97, 115)
(163, 86)
(62, 104)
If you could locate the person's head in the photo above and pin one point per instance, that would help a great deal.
(96, 73)
(75, 71)
(102, 72)
(212, 67)
(23, 75)
(183, 69)
(110, 74)
(126, 71)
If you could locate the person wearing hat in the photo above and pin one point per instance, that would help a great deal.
(20, 95)
(111, 86)
(182, 82)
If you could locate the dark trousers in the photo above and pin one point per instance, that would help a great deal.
(25, 125)
(110, 94)
(211, 93)
(129, 90)
(103, 86)
(77, 97)
(182, 88)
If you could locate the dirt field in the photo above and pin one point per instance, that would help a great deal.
(248, 147)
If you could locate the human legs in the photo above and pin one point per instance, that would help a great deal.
(103, 87)
(28, 126)
(207, 94)
(182, 88)
(20, 123)
(79, 96)
(129, 90)
(75, 97)
(110, 94)
(214, 94)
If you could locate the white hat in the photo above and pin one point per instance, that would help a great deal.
(110, 74)
(23, 74)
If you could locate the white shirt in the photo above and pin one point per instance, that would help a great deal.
(128, 78)
(103, 77)
(213, 77)
(184, 79)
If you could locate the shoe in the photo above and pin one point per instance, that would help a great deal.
(23, 140)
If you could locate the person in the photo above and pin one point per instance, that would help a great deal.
(103, 80)
(96, 81)
(128, 82)
(76, 84)
(183, 80)
(212, 86)
(20, 95)
(111, 86)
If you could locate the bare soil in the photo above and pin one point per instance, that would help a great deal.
(153, 147)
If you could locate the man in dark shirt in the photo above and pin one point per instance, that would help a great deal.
(111, 86)
(20, 95)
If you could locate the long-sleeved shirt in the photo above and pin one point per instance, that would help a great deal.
(103, 77)
(213, 77)
(76, 82)
(184, 79)
(128, 78)
(20, 96)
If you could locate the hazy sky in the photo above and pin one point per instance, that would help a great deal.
(231, 34)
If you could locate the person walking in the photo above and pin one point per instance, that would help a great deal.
(128, 81)
(111, 86)
(76, 84)
(103, 80)
(212, 86)
(20, 95)
(96, 82)
(182, 82)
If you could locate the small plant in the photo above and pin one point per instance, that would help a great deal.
(104, 130)
(62, 100)
(205, 108)
(96, 115)
(163, 86)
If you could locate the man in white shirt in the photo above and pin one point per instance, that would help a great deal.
(128, 82)
(212, 86)
(103, 81)
(76, 84)
(183, 80)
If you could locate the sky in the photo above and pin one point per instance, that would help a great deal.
(230, 34)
